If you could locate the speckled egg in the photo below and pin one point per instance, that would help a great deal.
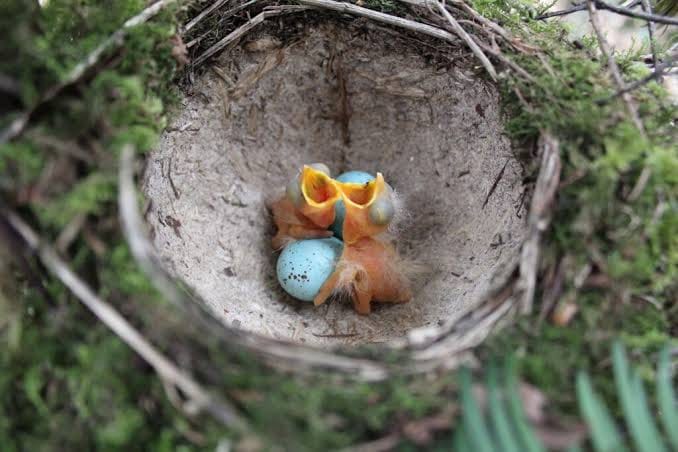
(304, 266)
(358, 177)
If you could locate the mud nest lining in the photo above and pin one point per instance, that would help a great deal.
(355, 98)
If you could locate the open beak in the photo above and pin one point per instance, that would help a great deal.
(369, 208)
(319, 194)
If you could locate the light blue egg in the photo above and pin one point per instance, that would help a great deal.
(304, 266)
(358, 177)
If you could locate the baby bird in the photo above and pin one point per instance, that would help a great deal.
(369, 208)
(369, 269)
(306, 209)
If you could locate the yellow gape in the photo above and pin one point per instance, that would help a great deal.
(319, 194)
(369, 209)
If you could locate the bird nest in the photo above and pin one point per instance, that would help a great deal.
(355, 96)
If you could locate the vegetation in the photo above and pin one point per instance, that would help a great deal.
(67, 383)
(505, 427)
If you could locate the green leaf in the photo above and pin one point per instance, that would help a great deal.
(498, 415)
(636, 412)
(473, 421)
(529, 442)
(604, 434)
(666, 398)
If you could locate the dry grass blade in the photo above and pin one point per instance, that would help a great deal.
(538, 220)
(197, 396)
(206, 12)
(382, 17)
(239, 32)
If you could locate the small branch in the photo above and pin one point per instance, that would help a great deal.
(113, 41)
(165, 368)
(388, 19)
(666, 20)
(239, 32)
(467, 39)
(612, 65)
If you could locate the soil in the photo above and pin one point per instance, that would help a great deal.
(355, 98)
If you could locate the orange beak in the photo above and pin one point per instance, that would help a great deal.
(368, 208)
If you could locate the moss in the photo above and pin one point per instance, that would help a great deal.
(549, 356)
(68, 383)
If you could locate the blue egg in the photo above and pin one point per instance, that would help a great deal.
(358, 177)
(304, 266)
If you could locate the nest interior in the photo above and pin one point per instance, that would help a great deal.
(354, 97)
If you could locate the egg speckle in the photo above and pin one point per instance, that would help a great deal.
(304, 266)
(359, 177)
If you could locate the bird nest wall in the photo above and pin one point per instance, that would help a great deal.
(355, 96)
(353, 99)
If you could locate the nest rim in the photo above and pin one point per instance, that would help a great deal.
(427, 348)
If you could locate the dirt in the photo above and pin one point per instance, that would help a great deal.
(354, 98)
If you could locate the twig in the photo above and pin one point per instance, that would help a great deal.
(538, 219)
(395, 21)
(165, 368)
(612, 65)
(580, 7)
(206, 12)
(659, 71)
(553, 290)
(335, 335)
(114, 40)
(239, 32)
(495, 183)
(507, 61)
(485, 21)
(459, 30)
(640, 184)
(563, 12)
(666, 20)
(645, 174)
(651, 30)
